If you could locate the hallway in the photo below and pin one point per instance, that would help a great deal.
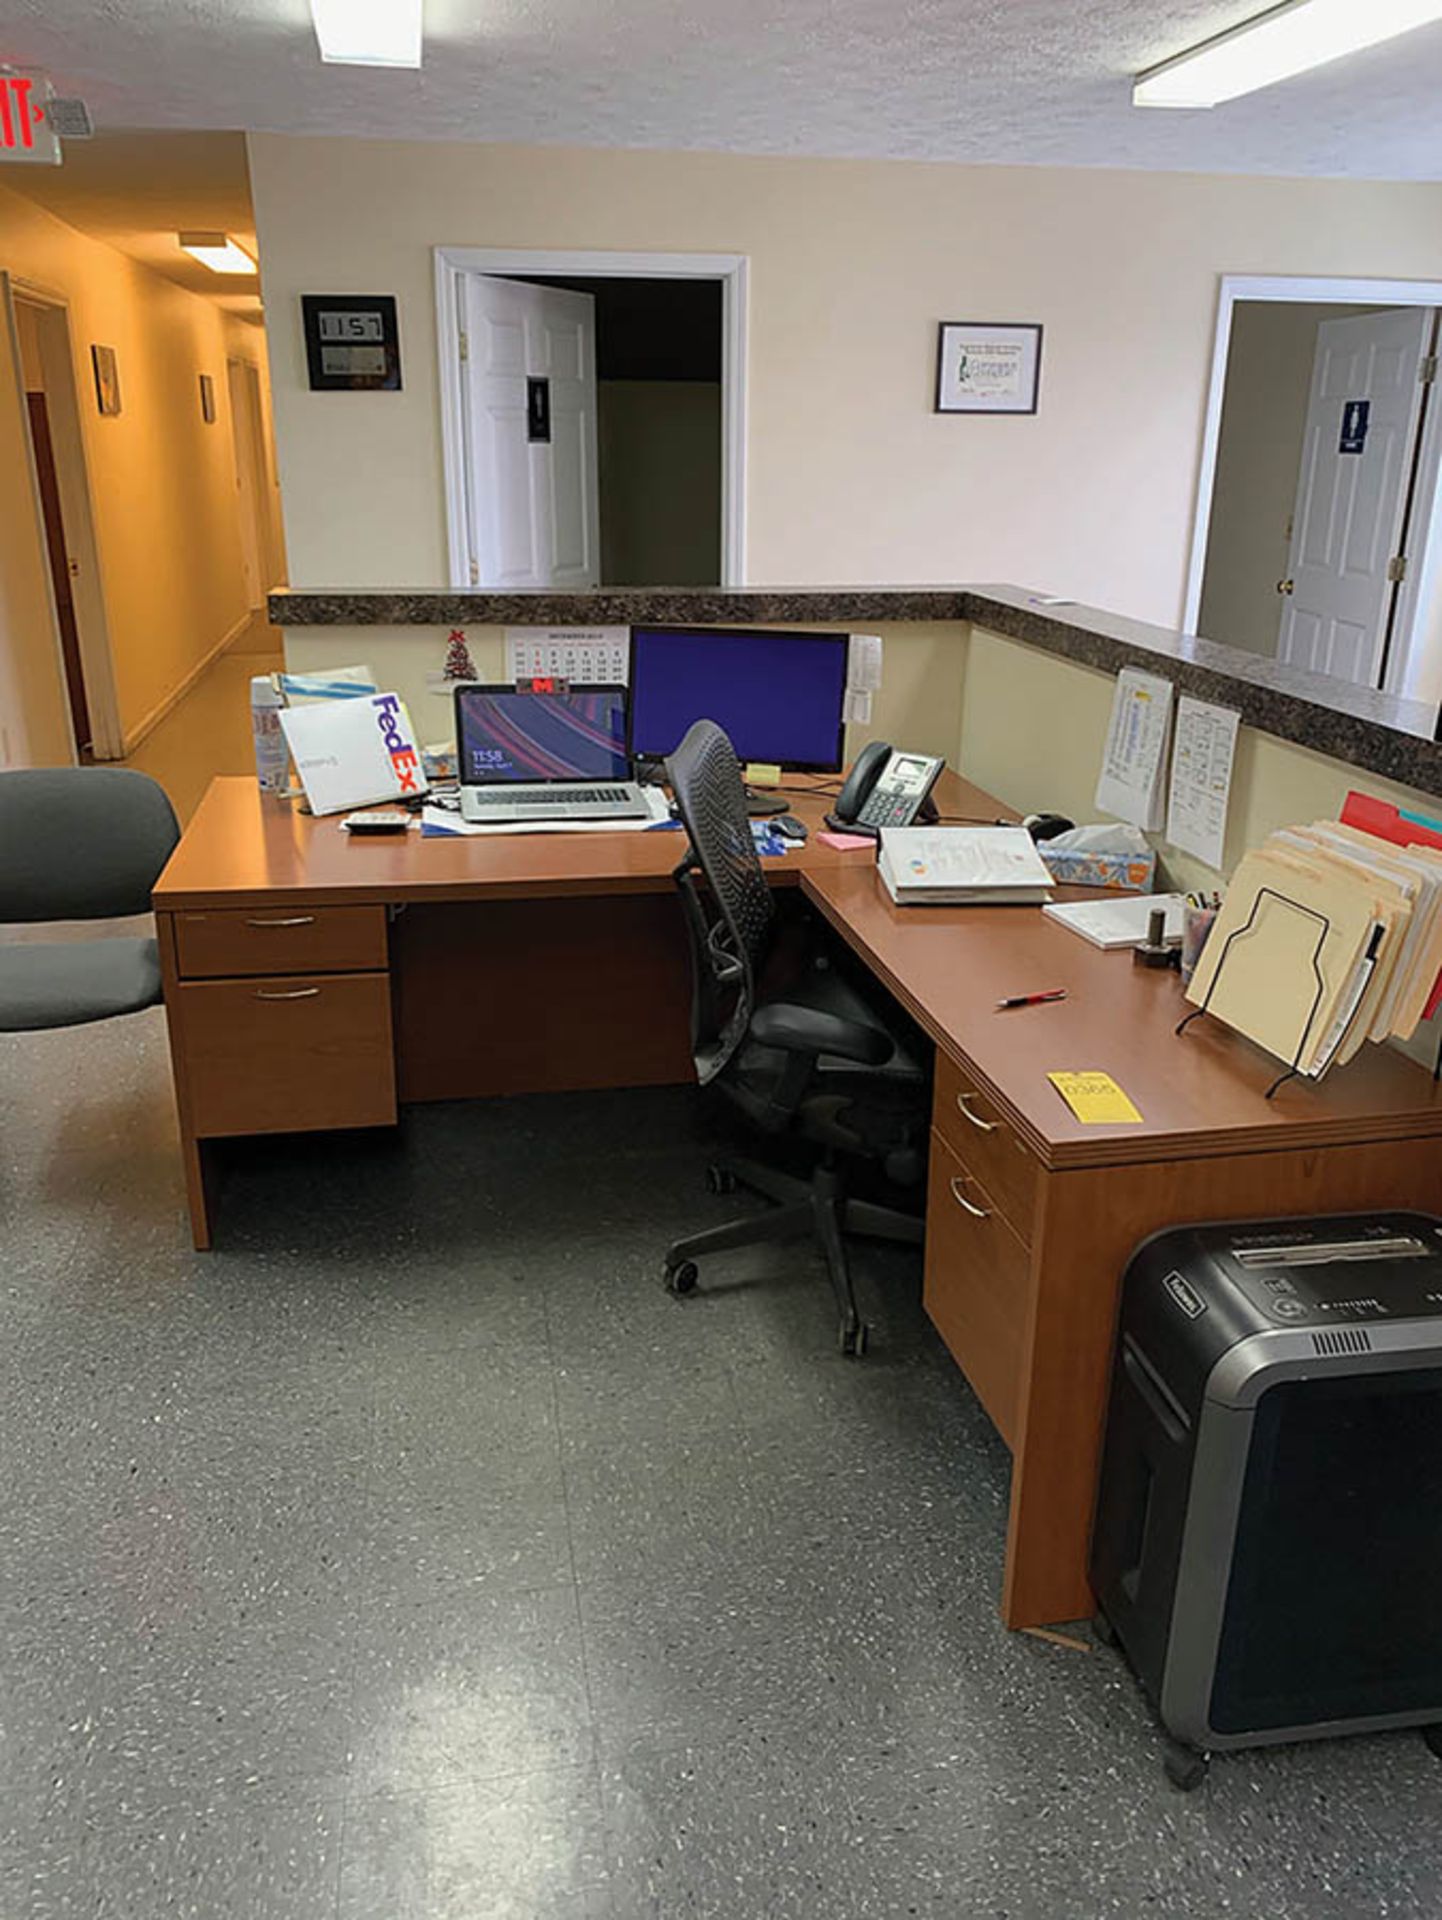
(208, 732)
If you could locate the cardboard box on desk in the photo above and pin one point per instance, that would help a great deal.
(352, 753)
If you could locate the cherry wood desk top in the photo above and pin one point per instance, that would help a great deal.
(243, 849)
(1199, 1094)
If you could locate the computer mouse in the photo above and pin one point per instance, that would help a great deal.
(789, 827)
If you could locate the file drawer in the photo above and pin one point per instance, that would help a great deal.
(978, 1278)
(242, 940)
(975, 1129)
(288, 1055)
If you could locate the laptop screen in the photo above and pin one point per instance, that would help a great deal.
(508, 736)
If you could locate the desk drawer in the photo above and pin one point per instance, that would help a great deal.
(242, 940)
(975, 1130)
(978, 1277)
(288, 1055)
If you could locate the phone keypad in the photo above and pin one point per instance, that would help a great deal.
(886, 810)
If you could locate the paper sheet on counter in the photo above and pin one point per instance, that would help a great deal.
(1201, 788)
(1132, 780)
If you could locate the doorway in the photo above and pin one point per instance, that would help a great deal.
(593, 413)
(1316, 534)
(247, 428)
(47, 369)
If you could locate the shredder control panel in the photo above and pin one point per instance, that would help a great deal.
(1308, 1279)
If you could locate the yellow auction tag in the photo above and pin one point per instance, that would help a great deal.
(763, 773)
(1095, 1099)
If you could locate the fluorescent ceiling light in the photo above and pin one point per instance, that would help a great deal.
(1275, 46)
(216, 251)
(369, 33)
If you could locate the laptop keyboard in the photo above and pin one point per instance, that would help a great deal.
(612, 796)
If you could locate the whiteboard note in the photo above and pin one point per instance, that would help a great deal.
(1131, 783)
(1201, 778)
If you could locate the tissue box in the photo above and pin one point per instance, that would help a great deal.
(1075, 867)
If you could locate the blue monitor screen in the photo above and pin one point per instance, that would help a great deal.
(505, 735)
(778, 696)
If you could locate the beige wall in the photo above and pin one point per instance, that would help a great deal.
(660, 475)
(851, 477)
(919, 704)
(1259, 453)
(162, 482)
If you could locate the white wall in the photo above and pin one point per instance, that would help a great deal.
(851, 476)
(1259, 453)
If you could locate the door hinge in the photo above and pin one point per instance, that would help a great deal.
(1429, 370)
(465, 346)
(1397, 567)
(475, 573)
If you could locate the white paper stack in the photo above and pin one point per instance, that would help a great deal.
(962, 866)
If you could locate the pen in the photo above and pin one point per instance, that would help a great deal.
(1031, 999)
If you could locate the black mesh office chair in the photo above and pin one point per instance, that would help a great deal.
(79, 843)
(815, 1061)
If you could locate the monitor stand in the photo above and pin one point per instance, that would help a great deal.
(761, 805)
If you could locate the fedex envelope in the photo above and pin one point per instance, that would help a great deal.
(352, 753)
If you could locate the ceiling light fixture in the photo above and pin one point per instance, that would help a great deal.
(368, 33)
(1289, 40)
(216, 251)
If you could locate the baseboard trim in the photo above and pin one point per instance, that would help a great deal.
(134, 735)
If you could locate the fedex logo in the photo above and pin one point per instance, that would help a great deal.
(402, 753)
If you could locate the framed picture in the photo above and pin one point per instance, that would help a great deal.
(207, 399)
(986, 368)
(107, 379)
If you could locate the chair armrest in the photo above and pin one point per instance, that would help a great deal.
(796, 1029)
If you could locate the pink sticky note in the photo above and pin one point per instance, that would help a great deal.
(846, 841)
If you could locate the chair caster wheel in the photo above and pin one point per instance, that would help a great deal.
(1184, 1766)
(720, 1179)
(682, 1278)
(1433, 1736)
(1103, 1632)
(853, 1340)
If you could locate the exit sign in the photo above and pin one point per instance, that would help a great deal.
(26, 134)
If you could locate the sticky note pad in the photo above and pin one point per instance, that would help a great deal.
(1095, 1099)
(762, 773)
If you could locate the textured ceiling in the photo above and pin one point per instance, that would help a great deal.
(1040, 81)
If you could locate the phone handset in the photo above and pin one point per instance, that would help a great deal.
(886, 788)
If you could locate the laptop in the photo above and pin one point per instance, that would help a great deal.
(545, 756)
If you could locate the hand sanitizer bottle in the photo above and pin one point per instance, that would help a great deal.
(272, 757)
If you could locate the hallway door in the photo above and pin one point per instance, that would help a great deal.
(1357, 459)
(533, 479)
(58, 554)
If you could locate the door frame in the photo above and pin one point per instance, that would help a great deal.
(731, 269)
(72, 469)
(1412, 600)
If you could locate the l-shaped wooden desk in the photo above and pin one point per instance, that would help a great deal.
(312, 981)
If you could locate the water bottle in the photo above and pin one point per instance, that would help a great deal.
(272, 756)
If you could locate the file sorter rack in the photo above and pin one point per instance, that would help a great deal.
(1324, 925)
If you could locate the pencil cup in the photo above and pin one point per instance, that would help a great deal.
(1197, 923)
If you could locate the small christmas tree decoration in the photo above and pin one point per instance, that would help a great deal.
(459, 665)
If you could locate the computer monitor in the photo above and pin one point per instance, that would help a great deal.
(778, 696)
(504, 735)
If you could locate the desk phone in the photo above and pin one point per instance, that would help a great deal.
(886, 788)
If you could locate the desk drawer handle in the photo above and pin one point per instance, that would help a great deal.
(296, 920)
(977, 1213)
(982, 1126)
(294, 993)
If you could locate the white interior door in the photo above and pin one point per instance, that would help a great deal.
(532, 476)
(1351, 492)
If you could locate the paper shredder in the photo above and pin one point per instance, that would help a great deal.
(1268, 1538)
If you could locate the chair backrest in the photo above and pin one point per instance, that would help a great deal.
(729, 933)
(81, 843)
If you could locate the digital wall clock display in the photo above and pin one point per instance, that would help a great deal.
(352, 343)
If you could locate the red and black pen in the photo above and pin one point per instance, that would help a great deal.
(1031, 999)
